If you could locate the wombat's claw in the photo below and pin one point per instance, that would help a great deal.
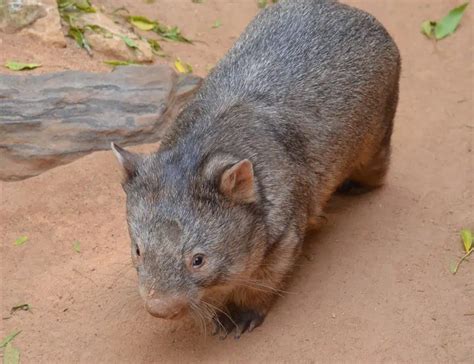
(238, 320)
(222, 325)
(247, 321)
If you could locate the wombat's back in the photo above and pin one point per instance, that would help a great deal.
(310, 50)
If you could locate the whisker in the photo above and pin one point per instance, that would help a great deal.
(195, 309)
(257, 288)
(255, 284)
(261, 283)
(223, 312)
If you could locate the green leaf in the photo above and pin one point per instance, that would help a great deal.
(65, 3)
(171, 33)
(197, 1)
(427, 28)
(77, 246)
(217, 24)
(78, 35)
(21, 240)
(11, 355)
(182, 67)
(466, 236)
(116, 62)
(155, 47)
(262, 3)
(99, 30)
(19, 66)
(142, 22)
(9, 338)
(450, 22)
(84, 5)
(453, 267)
(23, 307)
(129, 42)
(69, 19)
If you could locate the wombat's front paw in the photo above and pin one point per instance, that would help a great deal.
(238, 319)
(350, 187)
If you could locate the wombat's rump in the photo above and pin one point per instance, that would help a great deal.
(301, 105)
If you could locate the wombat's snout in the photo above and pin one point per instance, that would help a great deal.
(166, 308)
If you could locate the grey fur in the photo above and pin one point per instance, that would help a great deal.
(307, 94)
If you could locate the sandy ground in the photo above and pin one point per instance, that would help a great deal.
(374, 285)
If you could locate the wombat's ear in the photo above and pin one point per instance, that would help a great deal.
(128, 161)
(237, 182)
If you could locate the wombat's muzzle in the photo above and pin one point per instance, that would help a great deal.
(168, 308)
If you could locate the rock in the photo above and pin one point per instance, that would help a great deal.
(110, 42)
(17, 14)
(48, 28)
(38, 19)
(53, 119)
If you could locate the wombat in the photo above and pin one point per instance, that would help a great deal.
(301, 105)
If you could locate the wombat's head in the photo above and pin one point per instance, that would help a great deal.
(195, 226)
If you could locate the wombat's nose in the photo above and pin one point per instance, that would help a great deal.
(166, 308)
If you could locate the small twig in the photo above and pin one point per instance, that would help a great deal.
(462, 260)
(84, 276)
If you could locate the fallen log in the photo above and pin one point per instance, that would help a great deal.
(53, 119)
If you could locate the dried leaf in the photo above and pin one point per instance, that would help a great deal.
(450, 22)
(77, 246)
(142, 22)
(21, 240)
(453, 267)
(466, 236)
(115, 62)
(182, 67)
(23, 307)
(11, 355)
(9, 338)
(427, 28)
(19, 66)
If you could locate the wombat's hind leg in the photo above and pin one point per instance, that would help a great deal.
(368, 176)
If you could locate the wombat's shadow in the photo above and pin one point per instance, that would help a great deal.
(190, 340)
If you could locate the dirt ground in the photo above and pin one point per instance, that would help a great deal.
(374, 284)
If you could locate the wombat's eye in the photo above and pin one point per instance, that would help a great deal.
(137, 250)
(197, 261)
